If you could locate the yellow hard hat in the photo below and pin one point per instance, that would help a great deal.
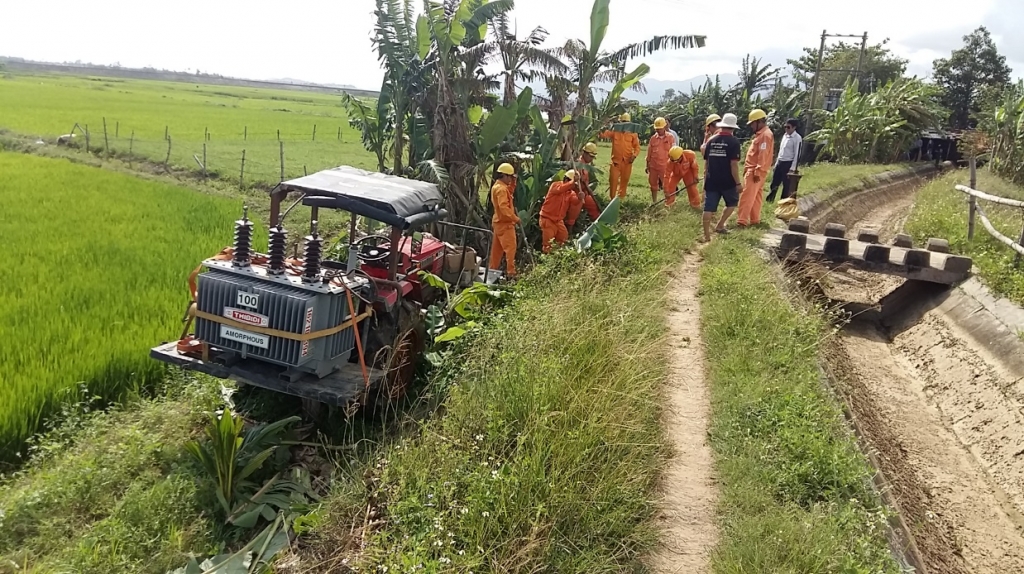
(625, 117)
(590, 148)
(675, 153)
(570, 175)
(711, 119)
(507, 169)
(660, 123)
(756, 114)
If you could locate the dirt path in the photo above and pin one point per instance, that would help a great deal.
(687, 510)
(946, 427)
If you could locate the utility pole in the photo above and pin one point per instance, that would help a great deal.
(816, 85)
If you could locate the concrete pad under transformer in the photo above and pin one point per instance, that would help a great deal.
(958, 264)
(792, 242)
(903, 240)
(918, 258)
(938, 245)
(800, 225)
(836, 248)
(877, 253)
(868, 235)
(835, 230)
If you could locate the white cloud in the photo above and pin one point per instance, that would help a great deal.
(329, 41)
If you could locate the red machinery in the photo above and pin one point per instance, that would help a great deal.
(328, 331)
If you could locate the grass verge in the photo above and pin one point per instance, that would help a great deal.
(941, 211)
(112, 491)
(549, 445)
(795, 491)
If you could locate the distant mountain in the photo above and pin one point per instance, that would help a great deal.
(305, 83)
(656, 88)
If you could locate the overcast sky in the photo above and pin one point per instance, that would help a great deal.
(328, 41)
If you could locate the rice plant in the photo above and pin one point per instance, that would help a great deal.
(95, 266)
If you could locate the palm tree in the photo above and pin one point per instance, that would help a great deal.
(589, 64)
(754, 77)
(519, 56)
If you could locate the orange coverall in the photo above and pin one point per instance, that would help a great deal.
(588, 203)
(553, 212)
(504, 224)
(625, 149)
(757, 163)
(657, 158)
(686, 171)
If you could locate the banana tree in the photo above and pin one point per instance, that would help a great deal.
(589, 64)
(372, 124)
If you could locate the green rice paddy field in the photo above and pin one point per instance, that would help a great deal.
(236, 119)
(95, 267)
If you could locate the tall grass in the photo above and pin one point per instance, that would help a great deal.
(941, 211)
(113, 491)
(95, 268)
(795, 494)
(49, 105)
(548, 445)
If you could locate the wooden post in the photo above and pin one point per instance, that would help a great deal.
(206, 134)
(278, 135)
(86, 138)
(304, 172)
(131, 144)
(314, 132)
(167, 160)
(165, 132)
(204, 160)
(972, 201)
(106, 142)
(1020, 241)
(281, 146)
(241, 172)
(339, 133)
(117, 130)
(245, 134)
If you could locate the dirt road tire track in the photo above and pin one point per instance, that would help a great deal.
(686, 515)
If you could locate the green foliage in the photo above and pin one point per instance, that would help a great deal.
(606, 239)
(231, 457)
(941, 211)
(879, 67)
(113, 491)
(106, 284)
(374, 132)
(795, 491)
(879, 126)
(964, 75)
(1006, 129)
(549, 447)
(460, 313)
(250, 559)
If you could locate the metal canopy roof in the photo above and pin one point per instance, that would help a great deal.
(387, 198)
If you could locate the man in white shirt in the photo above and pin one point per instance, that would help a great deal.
(789, 149)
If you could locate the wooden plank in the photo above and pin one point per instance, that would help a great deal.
(989, 197)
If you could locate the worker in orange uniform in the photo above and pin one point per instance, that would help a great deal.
(554, 209)
(625, 150)
(657, 157)
(755, 169)
(588, 202)
(505, 220)
(710, 129)
(682, 167)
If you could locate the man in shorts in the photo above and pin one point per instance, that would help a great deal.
(721, 174)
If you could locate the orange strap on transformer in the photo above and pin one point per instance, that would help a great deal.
(359, 341)
(283, 334)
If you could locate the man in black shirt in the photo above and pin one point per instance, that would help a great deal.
(721, 174)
